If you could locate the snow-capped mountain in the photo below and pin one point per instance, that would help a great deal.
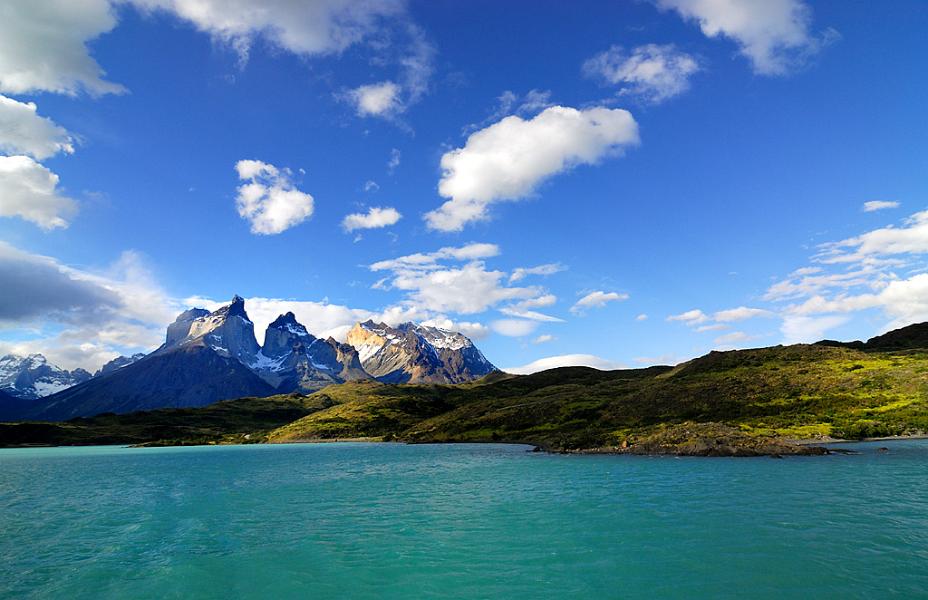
(32, 376)
(211, 356)
(411, 353)
(292, 359)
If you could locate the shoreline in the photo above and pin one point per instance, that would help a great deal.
(816, 447)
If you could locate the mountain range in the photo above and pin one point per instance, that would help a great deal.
(211, 356)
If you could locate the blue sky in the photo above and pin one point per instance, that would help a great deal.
(679, 159)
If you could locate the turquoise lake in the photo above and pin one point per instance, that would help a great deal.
(459, 521)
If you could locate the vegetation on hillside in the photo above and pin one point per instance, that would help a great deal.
(738, 402)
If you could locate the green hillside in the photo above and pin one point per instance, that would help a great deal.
(795, 392)
(739, 402)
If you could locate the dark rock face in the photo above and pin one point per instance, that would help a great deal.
(411, 353)
(189, 376)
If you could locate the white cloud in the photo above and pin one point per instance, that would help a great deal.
(911, 239)
(269, 200)
(30, 191)
(509, 159)
(690, 317)
(543, 270)
(376, 99)
(734, 338)
(521, 313)
(803, 330)
(303, 28)
(394, 161)
(371, 186)
(425, 261)
(652, 72)
(514, 327)
(468, 289)
(22, 131)
(565, 360)
(432, 285)
(641, 317)
(742, 313)
(874, 205)
(773, 34)
(80, 318)
(711, 327)
(597, 299)
(43, 46)
(543, 339)
(539, 302)
(374, 218)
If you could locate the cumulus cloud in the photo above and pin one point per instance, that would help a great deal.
(652, 72)
(76, 317)
(775, 35)
(269, 200)
(303, 28)
(43, 46)
(514, 327)
(543, 339)
(565, 360)
(509, 159)
(374, 218)
(455, 279)
(376, 99)
(22, 131)
(875, 205)
(543, 270)
(30, 191)
(641, 317)
(597, 299)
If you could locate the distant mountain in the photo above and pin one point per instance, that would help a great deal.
(187, 376)
(203, 360)
(31, 377)
(211, 356)
(118, 363)
(410, 353)
(292, 359)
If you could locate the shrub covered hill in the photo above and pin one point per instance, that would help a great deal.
(744, 402)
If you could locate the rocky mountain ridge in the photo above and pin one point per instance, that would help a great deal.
(31, 377)
(210, 356)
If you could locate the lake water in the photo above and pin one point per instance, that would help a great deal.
(459, 521)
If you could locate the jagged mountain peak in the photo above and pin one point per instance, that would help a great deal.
(410, 352)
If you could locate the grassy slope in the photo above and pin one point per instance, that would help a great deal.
(782, 392)
(245, 420)
(749, 399)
